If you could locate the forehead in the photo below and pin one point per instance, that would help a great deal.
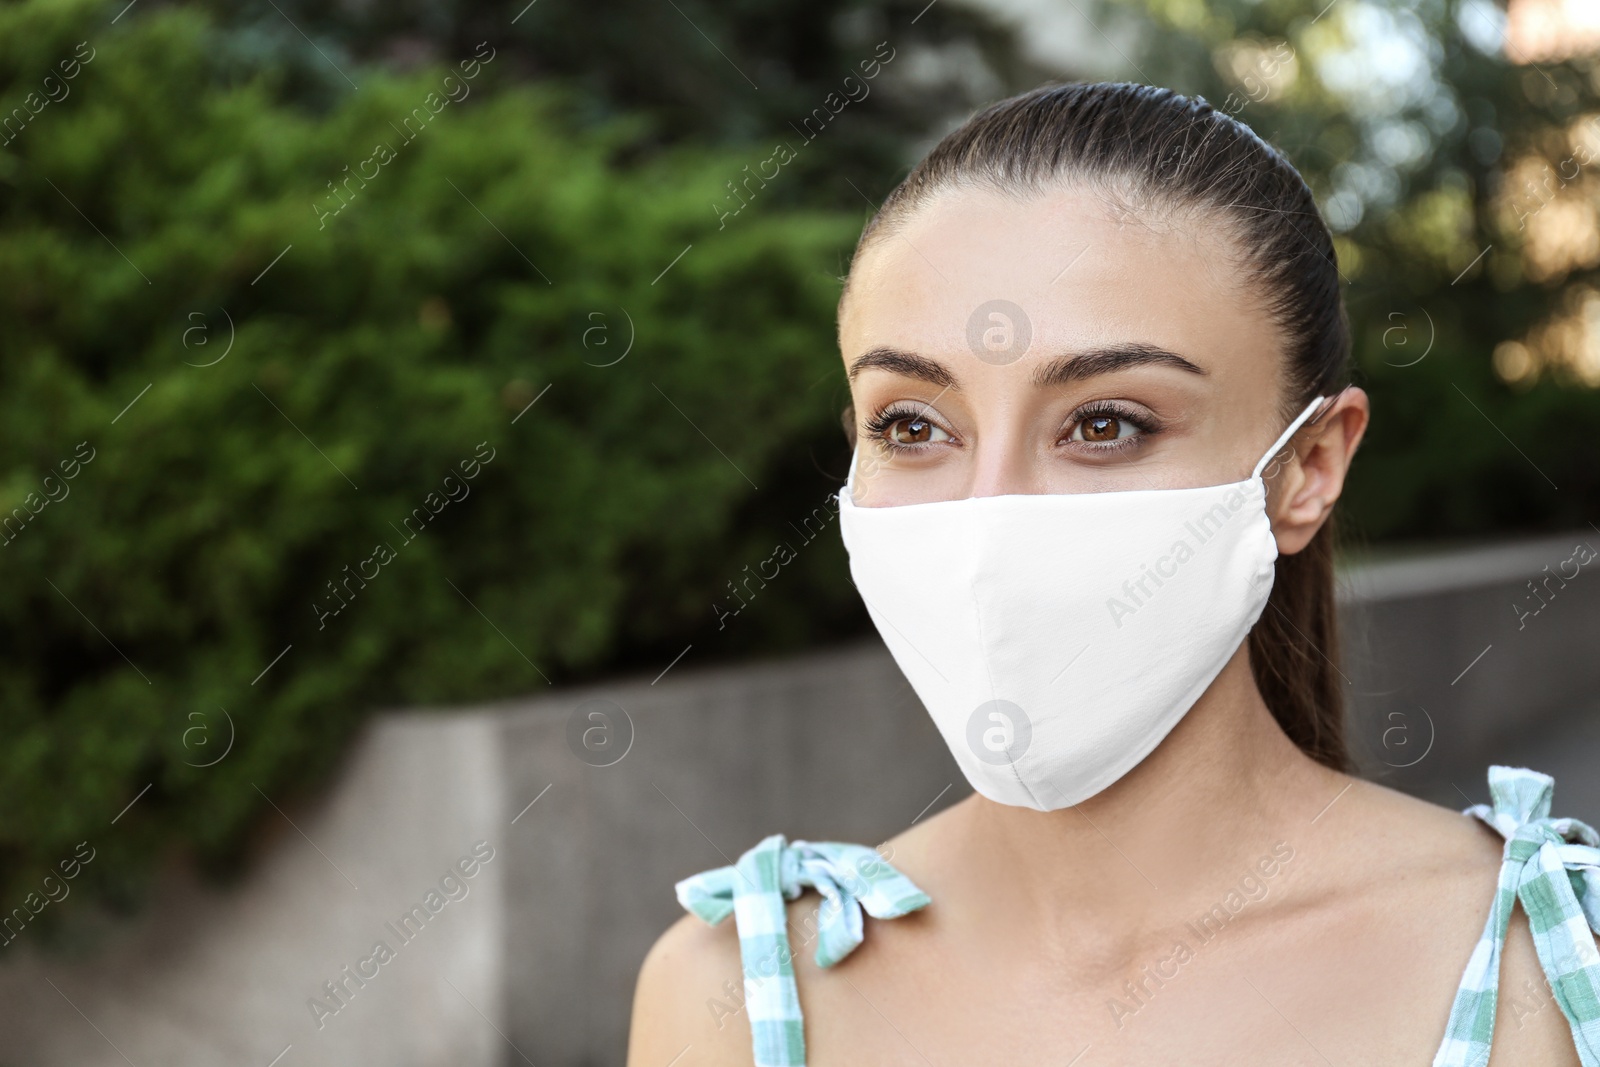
(1082, 273)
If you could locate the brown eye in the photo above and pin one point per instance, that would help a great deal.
(1102, 428)
(1106, 428)
(911, 431)
(905, 426)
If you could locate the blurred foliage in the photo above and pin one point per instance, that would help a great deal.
(1426, 145)
(268, 388)
(740, 72)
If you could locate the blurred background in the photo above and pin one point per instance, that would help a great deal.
(417, 428)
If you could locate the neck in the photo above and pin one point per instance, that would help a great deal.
(1167, 837)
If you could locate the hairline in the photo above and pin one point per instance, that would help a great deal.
(1117, 190)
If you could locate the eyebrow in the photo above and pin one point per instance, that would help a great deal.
(1073, 367)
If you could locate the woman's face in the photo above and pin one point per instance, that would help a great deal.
(998, 346)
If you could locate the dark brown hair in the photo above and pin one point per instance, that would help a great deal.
(1150, 149)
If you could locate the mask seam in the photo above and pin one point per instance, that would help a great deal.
(988, 670)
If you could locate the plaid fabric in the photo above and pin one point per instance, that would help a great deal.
(851, 879)
(1553, 867)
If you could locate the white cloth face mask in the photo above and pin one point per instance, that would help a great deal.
(1056, 638)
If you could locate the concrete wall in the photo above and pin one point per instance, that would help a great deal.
(1440, 654)
(209, 977)
(536, 964)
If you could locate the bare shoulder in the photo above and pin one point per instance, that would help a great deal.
(1453, 863)
(689, 999)
(1424, 864)
(1430, 838)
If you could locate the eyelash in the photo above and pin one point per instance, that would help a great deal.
(878, 424)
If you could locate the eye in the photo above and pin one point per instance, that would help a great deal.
(1099, 428)
(1108, 426)
(905, 426)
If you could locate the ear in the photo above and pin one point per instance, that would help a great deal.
(1301, 497)
(847, 419)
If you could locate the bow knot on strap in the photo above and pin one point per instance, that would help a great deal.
(1552, 868)
(1537, 845)
(851, 878)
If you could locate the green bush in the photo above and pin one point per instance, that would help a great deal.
(380, 365)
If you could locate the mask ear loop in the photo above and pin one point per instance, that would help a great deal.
(850, 478)
(1287, 434)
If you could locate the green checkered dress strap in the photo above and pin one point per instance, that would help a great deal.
(851, 879)
(1553, 867)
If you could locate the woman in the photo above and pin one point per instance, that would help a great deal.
(1099, 370)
